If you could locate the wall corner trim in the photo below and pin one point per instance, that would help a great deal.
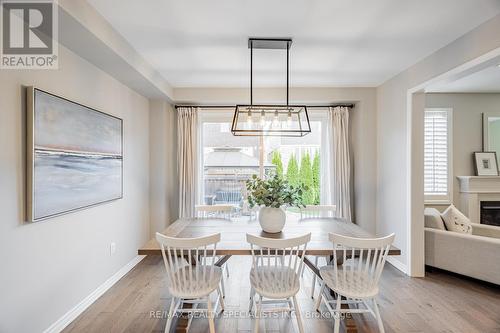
(397, 264)
(73, 313)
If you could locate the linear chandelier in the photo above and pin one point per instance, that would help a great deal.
(270, 120)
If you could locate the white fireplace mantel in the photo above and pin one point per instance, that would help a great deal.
(473, 190)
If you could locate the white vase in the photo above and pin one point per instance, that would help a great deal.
(272, 220)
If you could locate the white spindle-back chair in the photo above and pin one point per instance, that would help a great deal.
(190, 280)
(355, 272)
(215, 211)
(317, 212)
(275, 274)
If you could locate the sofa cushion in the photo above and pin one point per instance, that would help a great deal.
(432, 219)
(456, 221)
(486, 230)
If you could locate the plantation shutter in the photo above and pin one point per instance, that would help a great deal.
(436, 154)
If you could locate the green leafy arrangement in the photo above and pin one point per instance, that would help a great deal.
(274, 192)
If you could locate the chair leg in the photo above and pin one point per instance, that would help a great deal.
(252, 293)
(211, 324)
(170, 315)
(290, 305)
(257, 314)
(377, 315)
(223, 288)
(302, 272)
(221, 298)
(297, 314)
(320, 296)
(190, 318)
(336, 317)
(227, 269)
(314, 277)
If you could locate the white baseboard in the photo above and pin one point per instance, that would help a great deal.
(72, 314)
(398, 264)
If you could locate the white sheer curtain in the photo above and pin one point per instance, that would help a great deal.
(187, 155)
(338, 158)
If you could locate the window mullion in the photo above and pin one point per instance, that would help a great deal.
(261, 157)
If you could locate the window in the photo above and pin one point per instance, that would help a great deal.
(437, 155)
(298, 159)
(227, 161)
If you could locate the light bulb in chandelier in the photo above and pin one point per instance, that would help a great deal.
(276, 119)
(262, 118)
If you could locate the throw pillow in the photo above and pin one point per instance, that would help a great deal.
(456, 221)
(432, 219)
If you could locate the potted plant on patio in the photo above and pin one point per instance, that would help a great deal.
(272, 195)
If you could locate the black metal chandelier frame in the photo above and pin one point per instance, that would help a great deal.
(290, 111)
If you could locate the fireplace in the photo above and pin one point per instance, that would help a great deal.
(480, 198)
(490, 212)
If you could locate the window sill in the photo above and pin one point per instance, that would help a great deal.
(438, 202)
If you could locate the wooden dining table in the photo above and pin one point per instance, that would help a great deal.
(233, 239)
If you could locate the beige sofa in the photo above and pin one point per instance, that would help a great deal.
(476, 255)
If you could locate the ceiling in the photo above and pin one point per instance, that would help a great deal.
(486, 80)
(200, 43)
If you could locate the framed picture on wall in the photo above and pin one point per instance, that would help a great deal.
(485, 163)
(74, 156)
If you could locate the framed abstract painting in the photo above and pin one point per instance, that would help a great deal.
(74, 156)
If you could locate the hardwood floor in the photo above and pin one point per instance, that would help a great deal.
(441, 302)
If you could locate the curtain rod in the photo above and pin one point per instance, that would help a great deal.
(349, 105)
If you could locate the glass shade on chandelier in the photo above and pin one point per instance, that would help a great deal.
(270, 120)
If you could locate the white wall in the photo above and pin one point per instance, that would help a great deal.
(467, 128)
(164, 183)
(48, 267)
(363, 129)
(393, 128)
